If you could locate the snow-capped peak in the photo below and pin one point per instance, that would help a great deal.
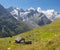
(51, 13)
(14, 12)
(39, 9)
(17, 8)
(31, 8)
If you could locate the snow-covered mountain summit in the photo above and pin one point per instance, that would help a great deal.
(30, 12)
(32, 16)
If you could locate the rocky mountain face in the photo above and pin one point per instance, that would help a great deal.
(35, 17)
(24, 15)
(32, 17)
(9, 26)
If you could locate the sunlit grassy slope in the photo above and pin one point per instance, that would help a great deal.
(43, 38)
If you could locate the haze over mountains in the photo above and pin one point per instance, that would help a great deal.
(14, 20)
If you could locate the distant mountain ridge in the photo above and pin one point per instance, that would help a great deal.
(34, 17)
(28, 13)
(35, 14)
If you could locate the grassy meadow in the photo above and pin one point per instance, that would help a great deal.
(43, 38)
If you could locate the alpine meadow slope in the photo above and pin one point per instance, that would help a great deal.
(43, 38)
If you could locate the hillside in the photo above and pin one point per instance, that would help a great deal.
(9, 26)
(43, 38)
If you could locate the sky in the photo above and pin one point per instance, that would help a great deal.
(44, 4)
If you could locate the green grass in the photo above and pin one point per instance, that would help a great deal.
(43, 38)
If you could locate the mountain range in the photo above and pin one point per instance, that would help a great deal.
(36, 17)
(32, 12)
(15, 20)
